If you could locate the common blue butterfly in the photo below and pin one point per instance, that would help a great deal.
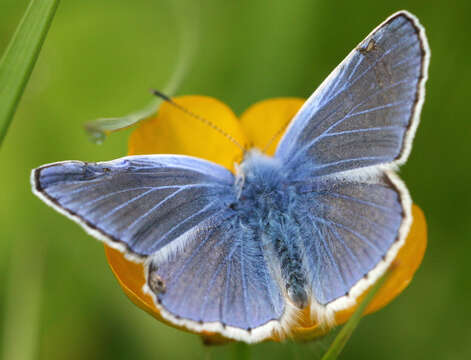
(315, 225)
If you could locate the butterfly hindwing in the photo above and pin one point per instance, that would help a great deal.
(220, 276)
(348, 228)
(365, 113)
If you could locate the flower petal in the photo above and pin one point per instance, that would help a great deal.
(173, 131)
(131, 278)
(265, 121)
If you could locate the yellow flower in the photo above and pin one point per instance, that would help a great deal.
(172, 131)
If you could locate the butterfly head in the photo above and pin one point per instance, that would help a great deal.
(259, 171)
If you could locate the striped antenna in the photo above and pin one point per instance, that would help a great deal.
(203, 120)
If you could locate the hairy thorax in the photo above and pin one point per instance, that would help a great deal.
(267, 206)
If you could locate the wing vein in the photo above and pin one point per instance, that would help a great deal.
(212, 281)
(244, 282)
(346, 132)
(327, 249)
(222, 309)
(355, 233)
(108, 214)
(363, 158)
(168, 197)
(185, 221)
(350, 115)
(100, 198)
(360, 201)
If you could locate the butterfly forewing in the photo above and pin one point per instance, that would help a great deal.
(141, 202)
(365, 112)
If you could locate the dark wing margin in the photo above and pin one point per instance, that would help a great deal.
(137, 204)
(367, 110)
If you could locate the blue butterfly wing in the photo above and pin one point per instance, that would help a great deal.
(356, 214)
(365, 113)
(219, 276)
(174, 212)
(348, 228)
(140, 202)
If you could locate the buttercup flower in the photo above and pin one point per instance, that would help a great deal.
(172, 131)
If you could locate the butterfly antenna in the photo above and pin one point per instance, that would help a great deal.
(278, 133)
(202, 119)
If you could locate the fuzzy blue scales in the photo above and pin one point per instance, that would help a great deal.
(267, 205)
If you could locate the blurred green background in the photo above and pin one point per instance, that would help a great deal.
(101, 58)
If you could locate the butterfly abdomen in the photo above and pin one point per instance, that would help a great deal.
(265, 205)
(291, 271)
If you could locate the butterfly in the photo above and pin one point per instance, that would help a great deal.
(312, 226)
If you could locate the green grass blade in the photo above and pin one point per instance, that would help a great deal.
(20, 56)
(344, 335)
